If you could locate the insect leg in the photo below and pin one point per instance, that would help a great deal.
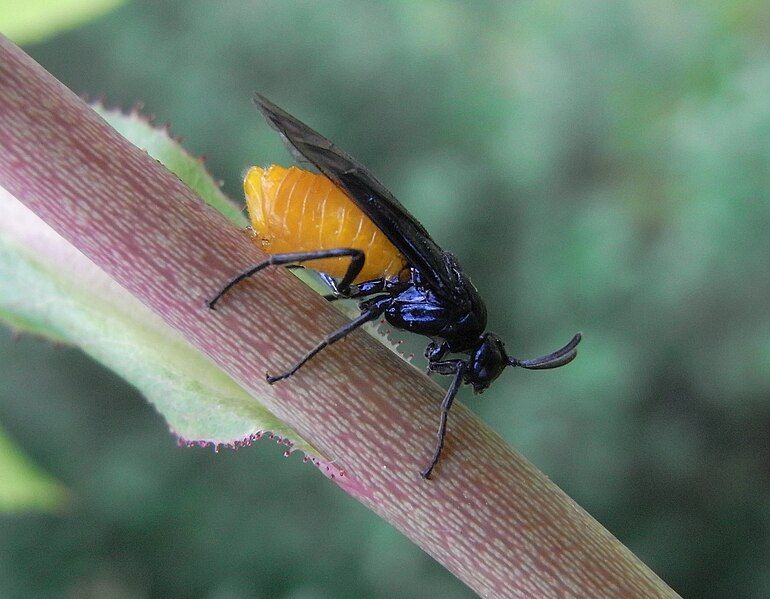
(372, 287)
(357, 258)
(331, 284)
(356, 264)
(359, 290)
(456, 367)
(371, 312)
(329, 281)
(435, 350)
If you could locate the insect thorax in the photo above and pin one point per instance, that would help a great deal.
(420, 310)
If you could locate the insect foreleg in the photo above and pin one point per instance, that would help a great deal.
(456, 367)
(372, 311)
(356, 264)
(435, 351)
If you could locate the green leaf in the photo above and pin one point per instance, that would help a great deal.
(23, 486)
(159, 144)
(31, 21)
(51, 289)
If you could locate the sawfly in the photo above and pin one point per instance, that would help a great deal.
(346, 225)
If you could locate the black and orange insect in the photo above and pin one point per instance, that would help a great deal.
(347, 226)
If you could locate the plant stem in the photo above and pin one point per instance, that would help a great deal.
(488, 515)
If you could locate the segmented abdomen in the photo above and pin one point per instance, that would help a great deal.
(293, 210)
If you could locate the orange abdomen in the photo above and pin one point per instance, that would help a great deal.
(293, 210)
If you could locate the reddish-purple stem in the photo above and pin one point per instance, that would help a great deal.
(488, 516)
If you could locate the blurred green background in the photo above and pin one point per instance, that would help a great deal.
(596, 166)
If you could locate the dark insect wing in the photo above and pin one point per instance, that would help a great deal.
(384, 210)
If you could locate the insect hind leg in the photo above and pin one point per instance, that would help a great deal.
(373, 287)
(372, 310)
(357, 258)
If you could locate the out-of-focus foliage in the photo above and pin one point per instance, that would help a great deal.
(596, 166)
(23, 486)
(26, 21)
